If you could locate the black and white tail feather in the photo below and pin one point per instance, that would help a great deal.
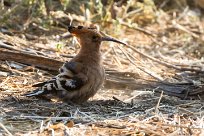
(64, 81)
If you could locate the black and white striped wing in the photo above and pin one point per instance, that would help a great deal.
(59, 84)
(64, 81)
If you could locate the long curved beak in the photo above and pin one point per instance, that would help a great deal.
(112, 39)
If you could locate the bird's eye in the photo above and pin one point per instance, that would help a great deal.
(94, 37)
(80, 27)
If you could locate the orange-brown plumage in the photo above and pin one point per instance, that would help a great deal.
(81, 77)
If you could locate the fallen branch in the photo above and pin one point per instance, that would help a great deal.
(33, 60)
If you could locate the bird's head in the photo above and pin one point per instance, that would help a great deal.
(90, 37)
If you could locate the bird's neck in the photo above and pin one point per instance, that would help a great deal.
(90, 49)
(89, 55)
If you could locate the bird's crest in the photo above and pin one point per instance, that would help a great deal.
(82, 31)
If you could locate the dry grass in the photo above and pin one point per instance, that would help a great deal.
(163, 59)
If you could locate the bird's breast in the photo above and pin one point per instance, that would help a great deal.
(96, 76)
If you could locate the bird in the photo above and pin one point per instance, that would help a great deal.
(200, 3)
(82, 76)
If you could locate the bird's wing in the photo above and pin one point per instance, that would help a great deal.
(68, 69)
(66, 80)
(59, 84)
(74, 67)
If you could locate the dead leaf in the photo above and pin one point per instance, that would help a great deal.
(70, 124)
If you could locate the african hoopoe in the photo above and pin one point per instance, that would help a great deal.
(81, 77)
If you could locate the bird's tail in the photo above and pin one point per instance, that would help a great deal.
(37, 92)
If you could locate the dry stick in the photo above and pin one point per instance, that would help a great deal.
(15, 70)
(6, 46)
(45, 117)
(180, 27)
(15, 48)
(38, 61)
(157, 106)
(183, 14)
(117, 99)
(41, 126)
(127, 56)
(5, 129)
(163, 4)
(117, 58)
(162, 62)
(149, 72)
(86, 115)
(138, 29)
